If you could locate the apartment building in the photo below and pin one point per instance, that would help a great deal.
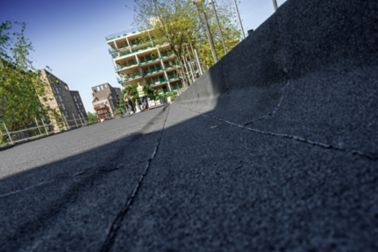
(63, 111)
(138, 58)
(79, 104)
(105, 100)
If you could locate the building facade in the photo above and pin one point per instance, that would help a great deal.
(79, 104)
(138, 58)
(105, 100)
(63, 112)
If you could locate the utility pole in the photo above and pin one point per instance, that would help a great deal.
(207, 27)
(239, 18)
(212, 2)
(275, 5)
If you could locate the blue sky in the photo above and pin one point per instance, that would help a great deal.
(69, 36)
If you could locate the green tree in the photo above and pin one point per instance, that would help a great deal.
(172, 21)
(121, 107)
(20, 86)
(5, 37)
(228, 27)
(132, 91)
(178, 22)
(92, 118)
(150, 92)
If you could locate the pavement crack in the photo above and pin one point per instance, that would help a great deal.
(274, 110)
(79, 175)
(27, 188)
(75, 177)
(370, 156)
(117, 222)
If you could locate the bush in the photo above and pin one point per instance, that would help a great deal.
(172, 94)
(92, 118)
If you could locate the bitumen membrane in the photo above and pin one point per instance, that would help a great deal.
(273, 149)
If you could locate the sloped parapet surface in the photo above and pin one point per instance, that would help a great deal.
(310, 71)
(275, 147)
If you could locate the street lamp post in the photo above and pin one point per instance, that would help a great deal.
(238, 14)
(207, 27)
(212, 2)
(275, 5)
(194, 51)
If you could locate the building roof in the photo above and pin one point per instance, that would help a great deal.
(124, 34)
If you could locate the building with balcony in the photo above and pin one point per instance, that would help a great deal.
(105, 100)
(65, 108)
(138, 58)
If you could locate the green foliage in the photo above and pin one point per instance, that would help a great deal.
(121, 107)
(178, 22)
(5, 39)
(172, 94)
(92, 118)
(3, 136)
(132, 91)
(151, 93)
(3, 140)
(173, 21)
(55, 113)
(19, 85)
(229, 29)
(21, 50)
(20, 103)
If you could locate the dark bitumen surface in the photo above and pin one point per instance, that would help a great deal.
(69, 204)
(274, 149)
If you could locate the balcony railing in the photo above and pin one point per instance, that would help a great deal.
(173, 78)
(167, 55)
(119, 68)
(117, 53)
(172, 67)
(152, 71)
(158, 82)
(141, 44)
(112, 50)
(149, 60)
(129, 77)
(121, 80)
(168, 68)
(133, 77)
(119, 34)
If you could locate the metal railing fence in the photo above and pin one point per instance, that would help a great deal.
(38, 129)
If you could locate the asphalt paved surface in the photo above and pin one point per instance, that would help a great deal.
(211, 185)
(55, 206)
(274, 149)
